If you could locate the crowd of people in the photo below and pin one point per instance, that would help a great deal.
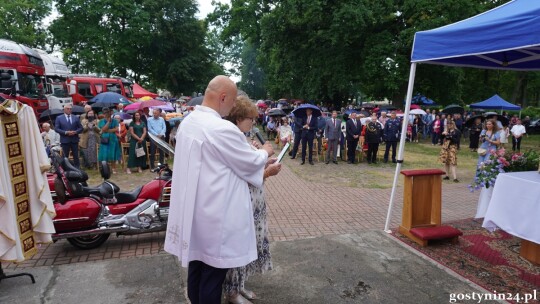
(364, 134)
(99, 137)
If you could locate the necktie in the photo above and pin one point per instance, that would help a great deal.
(308, 119)
(354, 121)
(334, 122)
(69, 119)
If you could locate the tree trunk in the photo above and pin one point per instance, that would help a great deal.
(519, 88)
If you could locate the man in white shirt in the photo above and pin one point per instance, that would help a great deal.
(51, 139)
(517, 133)
(210, 226)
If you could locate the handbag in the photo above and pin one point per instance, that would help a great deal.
(481, 151)
(139, 150)
(104, 140)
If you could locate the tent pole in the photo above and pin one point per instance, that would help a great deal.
(401, 145)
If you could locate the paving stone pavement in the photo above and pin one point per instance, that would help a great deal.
(298, 209)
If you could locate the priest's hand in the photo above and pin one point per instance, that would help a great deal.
(273, 169)
(268, 148)
(270, 161)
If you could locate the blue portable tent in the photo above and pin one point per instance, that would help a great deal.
(505, 38)
(495, 102)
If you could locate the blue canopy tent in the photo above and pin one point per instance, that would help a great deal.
(505, 38)
(495, 102)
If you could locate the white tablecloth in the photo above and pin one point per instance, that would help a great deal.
(515, 205)
(483, 202)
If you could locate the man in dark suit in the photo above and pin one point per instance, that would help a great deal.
(69, 127)
(332, 132)
(297, 129)
(308, 135)
(354, 128)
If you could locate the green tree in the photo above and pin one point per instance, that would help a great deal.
(158, 41)
(21, 21)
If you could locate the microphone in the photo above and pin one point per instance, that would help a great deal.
(259, 136)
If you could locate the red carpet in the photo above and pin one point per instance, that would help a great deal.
(490, 260)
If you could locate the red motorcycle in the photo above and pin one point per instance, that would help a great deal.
(86, 216)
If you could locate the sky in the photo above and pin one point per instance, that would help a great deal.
(205, 7)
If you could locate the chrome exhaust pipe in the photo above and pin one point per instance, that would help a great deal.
(102, 230)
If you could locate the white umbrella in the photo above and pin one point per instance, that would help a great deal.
(417, 112)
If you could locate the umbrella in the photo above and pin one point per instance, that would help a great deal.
(145, 104)
(367, 106)
(453, 109)
(166, 107)
(504, 121)
(287, 109)
(415, 106)
(51, 114)
(471, 120)
(349, 112)
(197, 101)
(262, 105)
(301, 110)
(385, 109)
(122, 115)
(77, 110)
(417, 112)
(109, 97)
(421, 99)
(100, 105)
(365, 113)
(276, 112)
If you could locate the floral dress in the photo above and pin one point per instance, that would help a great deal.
(448, 154)
(236, 277)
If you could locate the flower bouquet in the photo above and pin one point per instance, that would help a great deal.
(500, 162)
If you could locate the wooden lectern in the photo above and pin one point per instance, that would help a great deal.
(422, 207)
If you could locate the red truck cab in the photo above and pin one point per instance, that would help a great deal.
(83, 88)
(22, 75)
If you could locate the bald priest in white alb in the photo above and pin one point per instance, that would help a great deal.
(211, 217)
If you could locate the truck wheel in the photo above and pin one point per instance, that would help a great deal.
(89, 241)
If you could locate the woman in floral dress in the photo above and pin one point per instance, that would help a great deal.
(448, 154)
(243, 115)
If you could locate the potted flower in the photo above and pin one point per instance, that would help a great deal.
(499, 161)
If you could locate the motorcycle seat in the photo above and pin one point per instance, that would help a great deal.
(73, 174)
(128, 197)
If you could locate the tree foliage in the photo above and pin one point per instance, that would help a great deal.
(21, 21)
(158, 40)
(338, 49)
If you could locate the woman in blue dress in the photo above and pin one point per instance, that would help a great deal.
(109, 148)
(489, 139)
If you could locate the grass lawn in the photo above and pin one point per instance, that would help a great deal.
(416, 156)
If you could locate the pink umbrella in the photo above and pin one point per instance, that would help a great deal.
(145, 104)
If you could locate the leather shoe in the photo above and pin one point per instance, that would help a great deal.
(293, 157)
(303, 162)
(311, 163)
(335, 162)
(327, 163)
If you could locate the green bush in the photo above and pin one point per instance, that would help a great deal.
(532, 112)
